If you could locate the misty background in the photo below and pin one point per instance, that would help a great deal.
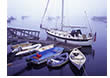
(27, 14)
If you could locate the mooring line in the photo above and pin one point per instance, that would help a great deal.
(85, 71)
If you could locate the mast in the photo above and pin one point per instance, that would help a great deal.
(62, 14)
(44, 13)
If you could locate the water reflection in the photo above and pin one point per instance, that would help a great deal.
(35, 66)
(56, 68)
(26, 68)
(23, 67)
(75, 71)
(89, 52)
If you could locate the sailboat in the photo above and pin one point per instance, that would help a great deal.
(73, 37)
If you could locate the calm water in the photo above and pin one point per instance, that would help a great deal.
(95, 65)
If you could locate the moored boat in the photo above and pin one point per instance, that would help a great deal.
(77, 58)
(45, 47)
(77, 36)
(43, 56)
(72, 37)
(22, 44)
(58, 61)
(29, 49)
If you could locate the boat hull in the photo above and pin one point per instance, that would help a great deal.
(45, 47)
(47, 54)
(29, 49)
(81, 43)
(57, 63)
(78, 66)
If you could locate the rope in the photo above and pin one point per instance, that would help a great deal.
(44, 12)
(85, 71)
(88, 22)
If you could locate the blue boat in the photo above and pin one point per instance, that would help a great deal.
(41, 57)
(58, 61)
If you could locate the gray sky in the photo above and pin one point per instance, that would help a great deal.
(74, 9)
(36, 7)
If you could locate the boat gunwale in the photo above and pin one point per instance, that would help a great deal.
(59, 64)
(69, 39)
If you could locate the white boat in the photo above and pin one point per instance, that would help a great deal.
(45, 47)
(19, 48)
(28, 49)
(63, 36)
(22, 44)
(75, 36)
(77, 58)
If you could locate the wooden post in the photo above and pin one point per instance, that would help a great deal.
(35, 33)
(20, 33)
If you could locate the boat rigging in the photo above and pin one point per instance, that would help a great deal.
(76, 36)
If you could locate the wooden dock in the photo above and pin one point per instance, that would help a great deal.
(14, 34)
(19, 35)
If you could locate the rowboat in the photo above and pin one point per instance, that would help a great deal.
(43, 56)
(77, 58)
(58, 61)
(45, 47)
(28, 49)
(24, 44)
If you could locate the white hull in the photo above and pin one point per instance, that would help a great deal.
(21, 45)
(36, 47)
(78, 66)
(29, 49)
(82, 43)
(45, 47)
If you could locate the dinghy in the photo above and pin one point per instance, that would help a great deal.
(77, 58)
(45, 47)
(58, 61)
(24, 44)
(24, 50)
(43, 56)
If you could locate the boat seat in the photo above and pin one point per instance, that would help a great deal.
(54, 60)
(34, 57)
(62, 58)
(79, 57)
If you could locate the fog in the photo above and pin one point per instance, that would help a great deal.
(73, 12)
